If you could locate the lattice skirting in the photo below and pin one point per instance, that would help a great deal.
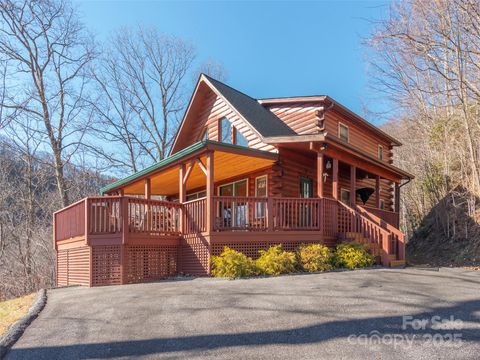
(194, 257)
(150, 262)
(106, 265)
(251, 249)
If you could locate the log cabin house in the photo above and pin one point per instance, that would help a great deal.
(245, 173)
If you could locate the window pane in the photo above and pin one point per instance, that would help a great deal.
(380, 152)
(343, 130)
(226, 131)
(306, 187)
(345, 196)
(226, 190)
(241, 188)
(240, 139)
(261, 186)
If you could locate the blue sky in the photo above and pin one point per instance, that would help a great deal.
(268, 48)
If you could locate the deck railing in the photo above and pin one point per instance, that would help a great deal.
(138, 217)
(233, 213)
(297, 214)
(389, 217)
(195, 216)
(153, 217)
(69, 222)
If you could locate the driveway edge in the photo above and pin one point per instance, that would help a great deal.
(17, 329)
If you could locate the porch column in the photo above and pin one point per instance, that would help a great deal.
(181, 195)
(335, 179)
(210, 192)
(397, 197)
(148, 189)
(377, 192)
(353, 179)
(320, 170)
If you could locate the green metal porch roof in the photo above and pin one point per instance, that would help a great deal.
(179, 155)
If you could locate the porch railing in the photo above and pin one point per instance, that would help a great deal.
(233, 213)
(136, 217)
(389, 217)
(195, 216)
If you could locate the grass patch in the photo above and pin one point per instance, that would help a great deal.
(13, 310)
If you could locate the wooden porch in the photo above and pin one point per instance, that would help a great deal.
(173, 217)
(109, 228)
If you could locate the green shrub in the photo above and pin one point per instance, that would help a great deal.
(315, 257)
(352, 255)
(232, 264)
(276, 261)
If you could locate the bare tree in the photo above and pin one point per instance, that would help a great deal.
(48, 53)
(142, 79)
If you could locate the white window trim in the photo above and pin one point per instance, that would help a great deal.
(340, 124)
(266, 184)
(230, 183)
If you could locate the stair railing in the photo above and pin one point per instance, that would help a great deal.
(378, 238)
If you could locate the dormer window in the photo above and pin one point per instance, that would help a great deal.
(380, 152)
(343, 132)
(225, 131)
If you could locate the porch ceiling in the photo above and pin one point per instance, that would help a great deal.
(227, 164)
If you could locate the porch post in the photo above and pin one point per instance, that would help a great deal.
(210, 192)
(335, 179)
(353, 178)
(181, 195)
(377, 192)
(320, 170)
(397, 197)
(148, 189)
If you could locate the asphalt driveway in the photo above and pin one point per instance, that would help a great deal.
(338, 315)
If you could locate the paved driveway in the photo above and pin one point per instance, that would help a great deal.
(338, 315)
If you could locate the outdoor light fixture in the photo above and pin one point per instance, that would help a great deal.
(328, 165)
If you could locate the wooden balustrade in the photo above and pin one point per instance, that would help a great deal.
(103, 215)
(153, 216)
(195, 216)
(297, 214)
(389, 217)
(240, 213)
(69, 222)
(127, 215)
(330, 217)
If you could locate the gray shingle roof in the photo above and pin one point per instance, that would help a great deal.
(263, 120)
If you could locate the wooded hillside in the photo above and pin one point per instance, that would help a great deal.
(427, 64)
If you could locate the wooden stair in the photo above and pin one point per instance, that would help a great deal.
(359, 238)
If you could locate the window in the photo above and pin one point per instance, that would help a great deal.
(306, 187)
(237, 188)
(197, 195)
(225, 131)
(345, 196)
(233, 213)
(261, 186)
(343, 132)
(260, 191)
(380, 152)
(239, 138)
(382, 204)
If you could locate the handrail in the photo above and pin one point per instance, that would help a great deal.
(370, 228)
(379, 221)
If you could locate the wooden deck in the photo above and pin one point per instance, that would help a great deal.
(121, 239)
